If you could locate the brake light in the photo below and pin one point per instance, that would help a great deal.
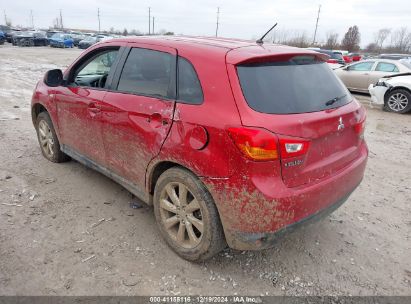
(332, 61)
(292, 147)
(255, 144)
(359, 128)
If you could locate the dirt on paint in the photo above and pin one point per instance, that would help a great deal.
(67, 230)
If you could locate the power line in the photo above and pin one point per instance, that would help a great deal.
(98, 16)
(5, 17)
(218, 19)
(316, 24)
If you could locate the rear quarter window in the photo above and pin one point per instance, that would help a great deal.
(299, 85)
(189, 87)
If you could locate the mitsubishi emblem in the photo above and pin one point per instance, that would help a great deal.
(340, 124)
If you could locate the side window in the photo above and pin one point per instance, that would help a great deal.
(189, 87)
(147, 72)
(386, 67)
(95, 71)
(363, 66)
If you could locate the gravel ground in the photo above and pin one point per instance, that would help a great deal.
(67, 230)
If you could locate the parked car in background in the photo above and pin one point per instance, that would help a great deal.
(31, 38)
(61, 40)
(345, 55)
(77, 37)
(232, 143)
(50, 33)
(395, 56)
(2, 37)
(358, 76)
(10, 34)
(87, 42)
(394, 92)
(355, 56)
(335, 58)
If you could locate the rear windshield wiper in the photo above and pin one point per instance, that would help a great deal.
(334, 100)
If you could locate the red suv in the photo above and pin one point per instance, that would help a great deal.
(232, 142)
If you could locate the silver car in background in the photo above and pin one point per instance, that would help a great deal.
(358, 76)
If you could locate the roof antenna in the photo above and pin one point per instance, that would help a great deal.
(260, 41)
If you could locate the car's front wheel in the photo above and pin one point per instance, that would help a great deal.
(49, 143)
(398, 101)
(187, 216)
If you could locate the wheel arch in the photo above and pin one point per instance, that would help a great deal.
(155, 170)
(388, 92)
(36, 109)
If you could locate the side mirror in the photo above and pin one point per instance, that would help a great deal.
(346, 68)
(53, 78)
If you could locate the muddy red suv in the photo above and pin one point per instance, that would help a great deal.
(232, 142)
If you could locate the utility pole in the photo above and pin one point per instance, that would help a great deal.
(218, 19)
(61, 19)
(32, 19)
(153, 27)
(5, 17)
(149, 20)
(98, 16)
(316, 24)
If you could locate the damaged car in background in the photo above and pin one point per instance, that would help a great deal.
(393, 92)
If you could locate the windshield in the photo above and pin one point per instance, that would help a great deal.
(337, 56)
(299, 85)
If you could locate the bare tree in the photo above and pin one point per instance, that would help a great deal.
(381, 36)
(299, 39)
(331, 40)
(401, 40)
(351, 41)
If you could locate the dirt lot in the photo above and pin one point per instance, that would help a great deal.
(67, 230)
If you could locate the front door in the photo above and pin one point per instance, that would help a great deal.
(138, 110)
(79, 105)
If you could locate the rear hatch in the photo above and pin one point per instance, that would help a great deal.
(313, 115)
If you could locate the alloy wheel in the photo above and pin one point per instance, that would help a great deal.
(181, 215)
(46, 138)
(397, 102)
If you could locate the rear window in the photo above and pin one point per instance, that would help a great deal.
(299, 85)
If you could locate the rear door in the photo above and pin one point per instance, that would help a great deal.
(138, 110)
(381, 69)
(316, 110)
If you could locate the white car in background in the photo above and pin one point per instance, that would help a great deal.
(394, 92)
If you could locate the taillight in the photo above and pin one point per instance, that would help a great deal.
(332, 61)
(359, 128)
(293, 147)
(255, 144)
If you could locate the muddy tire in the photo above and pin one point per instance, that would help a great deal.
(398, 101)
(48, 141)
(187, 216)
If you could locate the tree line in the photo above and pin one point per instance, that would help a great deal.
(385, 40)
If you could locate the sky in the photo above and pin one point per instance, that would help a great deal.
(238, 18)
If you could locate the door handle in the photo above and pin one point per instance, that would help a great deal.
(157, 118)
(93, 109)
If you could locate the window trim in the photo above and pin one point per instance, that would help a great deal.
(178, 82)
(120, 67)
(90, 57)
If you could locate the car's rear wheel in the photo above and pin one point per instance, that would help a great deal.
(49, 143)
(398, 101)
(187, 216)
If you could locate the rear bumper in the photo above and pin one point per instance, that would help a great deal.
(255, 210)
(257, 241)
